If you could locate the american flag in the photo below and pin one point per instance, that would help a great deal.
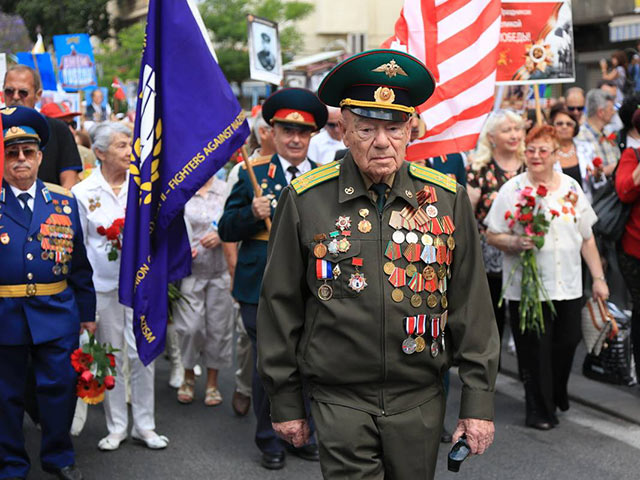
(457, 40)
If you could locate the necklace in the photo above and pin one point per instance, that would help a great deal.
(568, 154)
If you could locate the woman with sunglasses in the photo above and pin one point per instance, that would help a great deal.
(545, 359)
(574, 158)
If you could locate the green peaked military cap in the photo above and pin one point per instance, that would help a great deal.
(385, 84)
(296, 106)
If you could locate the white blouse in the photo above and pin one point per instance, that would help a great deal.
(559, 259)
(99, 206)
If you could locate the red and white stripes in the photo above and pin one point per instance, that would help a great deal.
(457, 40)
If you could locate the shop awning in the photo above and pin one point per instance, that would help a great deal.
(625, 27)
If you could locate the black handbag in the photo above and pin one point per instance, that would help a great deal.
(611, 211)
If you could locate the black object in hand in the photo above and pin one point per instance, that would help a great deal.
(459, 452)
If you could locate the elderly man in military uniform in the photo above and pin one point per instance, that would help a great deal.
(294, 114)
(46, 298)
(374, 287)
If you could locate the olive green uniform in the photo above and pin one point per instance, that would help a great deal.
(377, 408)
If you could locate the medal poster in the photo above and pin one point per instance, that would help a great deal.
(536, 43)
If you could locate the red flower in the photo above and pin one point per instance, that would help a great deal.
(101, 230)
(508, 215)
(112, 360)
(527, 217)
(86, 376)
(89, 389)
(554, 213)
(531, 201)
(81, 361)
(597, 162)
(542, 191)
(112, 232)
(119, 223)
(109, 382)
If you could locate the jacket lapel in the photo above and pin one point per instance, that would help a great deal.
(12, 207)
(41, 207)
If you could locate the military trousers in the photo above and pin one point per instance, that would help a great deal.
(55, 394)
(356, 445)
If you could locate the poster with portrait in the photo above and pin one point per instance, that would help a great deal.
(265, 58)
(536, 43)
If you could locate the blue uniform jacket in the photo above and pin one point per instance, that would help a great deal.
(41, 318)
(239, 225)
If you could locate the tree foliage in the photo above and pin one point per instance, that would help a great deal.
(13, 35)
(121, 60)
(227, 20)
(59, 17)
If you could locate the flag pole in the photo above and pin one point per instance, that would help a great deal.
(257, 191)
(536, 96)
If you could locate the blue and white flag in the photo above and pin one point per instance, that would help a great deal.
(188, 124)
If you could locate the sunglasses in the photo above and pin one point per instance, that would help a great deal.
(331, 125)
(564, 124)
(73, 124)
(13, 154)
(576, 109)
(9, 92)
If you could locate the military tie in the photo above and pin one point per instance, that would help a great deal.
(293, 171)
(24, 198)
(380, 189)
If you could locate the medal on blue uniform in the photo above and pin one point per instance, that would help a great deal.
(324, 271)
(4, 238)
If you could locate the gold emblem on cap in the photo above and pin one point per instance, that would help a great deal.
(8, 110)
(391, 69)
(384, 95)
(295, 116)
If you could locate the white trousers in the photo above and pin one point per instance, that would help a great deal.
(205, 326)
(115, 326)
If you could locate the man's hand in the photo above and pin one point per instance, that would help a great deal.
(261, 207)
(479, 434)
(88, 326)
(210, 240)
(296, 432)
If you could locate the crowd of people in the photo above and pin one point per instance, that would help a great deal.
(299, 361)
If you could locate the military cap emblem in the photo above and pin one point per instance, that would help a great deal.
(391, 69)
(295, 116)
(384, 95)
(8, 110)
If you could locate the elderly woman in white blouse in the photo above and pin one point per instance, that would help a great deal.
(545, 360)
(102, 199)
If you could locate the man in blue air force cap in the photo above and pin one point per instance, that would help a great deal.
(46, 298)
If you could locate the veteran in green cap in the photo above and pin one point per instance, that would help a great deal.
(374, 287)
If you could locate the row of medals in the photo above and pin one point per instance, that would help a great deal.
(56, 242)
(339, 243)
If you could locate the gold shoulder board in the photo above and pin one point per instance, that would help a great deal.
(315, 177)
(264, 159)
(433, 176)
(52, 187)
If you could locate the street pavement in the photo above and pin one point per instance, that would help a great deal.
(213, 443)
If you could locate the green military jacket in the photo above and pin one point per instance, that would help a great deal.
(349, 348)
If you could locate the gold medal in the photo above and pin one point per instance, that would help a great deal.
(429, 273)
(44, 255)
(364, 226)
(39, 237)
(432, 301)
(325, 292)
(411, 270)
(451, 243)
(4, 238)
(343, 245)
(416, 300)
(320, 250)
(420, 344)
(397, 295)
(443, 301)
(442, 271)
(388, 268)
(363, 212)
(427, 239)
(58, 209)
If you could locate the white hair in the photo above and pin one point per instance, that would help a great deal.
(483, 153)
(102, 134)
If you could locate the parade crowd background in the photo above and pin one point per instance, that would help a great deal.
(594, 137)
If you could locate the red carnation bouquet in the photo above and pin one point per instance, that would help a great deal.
(96, 367)
(114, 237)
(534, 220)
